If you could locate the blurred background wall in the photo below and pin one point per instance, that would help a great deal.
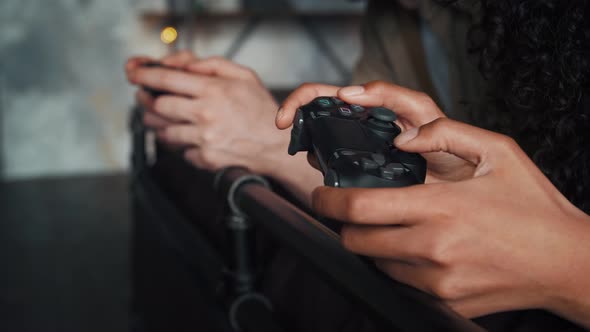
(64, 100)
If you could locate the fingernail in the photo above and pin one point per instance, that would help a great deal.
(406, 136)
(352, 90)
(280, 114)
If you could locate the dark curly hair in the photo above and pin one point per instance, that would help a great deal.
(535, 53)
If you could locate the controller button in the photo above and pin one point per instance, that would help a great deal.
(324, 102)
(323, 113)
(369, 164)
(357, 108)
(345, 111)
(379, 158)
(347, 152)
(392, 171)
(337, 101)
(331, 178)
(383, 114)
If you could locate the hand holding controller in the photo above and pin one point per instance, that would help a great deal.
(354, 145)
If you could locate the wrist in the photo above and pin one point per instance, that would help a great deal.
(293, 172)
(570, 297)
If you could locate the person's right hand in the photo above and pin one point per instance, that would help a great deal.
(413, 110)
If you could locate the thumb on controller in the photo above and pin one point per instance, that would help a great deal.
(444, 135)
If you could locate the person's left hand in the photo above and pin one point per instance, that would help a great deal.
(219, 110)
(504, 239)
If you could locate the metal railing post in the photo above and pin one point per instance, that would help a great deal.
(248, 309)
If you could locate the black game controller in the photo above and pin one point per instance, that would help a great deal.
(155, 93)
(354, 145)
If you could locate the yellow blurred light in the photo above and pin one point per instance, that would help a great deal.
(168, 35)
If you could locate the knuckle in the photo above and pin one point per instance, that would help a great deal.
(447, 288)
(437, 253)
(205, 115)
(441, 125)
(442, 122)
(376, 85)
(436, 249)
(216, 89)
(208, 137)
(250, 73)
(506, 143)
(208, 159)
(425, 100)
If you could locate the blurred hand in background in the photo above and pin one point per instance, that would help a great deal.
(222, 115)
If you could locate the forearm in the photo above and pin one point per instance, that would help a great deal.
(572, 299)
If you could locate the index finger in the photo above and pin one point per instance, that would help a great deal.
(304, 94)
(175, 81)
(412, 107)
(381, 206)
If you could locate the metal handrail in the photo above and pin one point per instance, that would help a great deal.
(253, 204)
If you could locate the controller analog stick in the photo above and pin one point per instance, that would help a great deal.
(382, 114)
(381, 123)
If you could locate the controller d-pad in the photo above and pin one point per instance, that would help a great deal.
(368, 164)
(378, 158)
(392, 171)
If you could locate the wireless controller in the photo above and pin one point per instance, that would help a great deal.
(354, 145)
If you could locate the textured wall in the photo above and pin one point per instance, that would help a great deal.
(63, 95)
